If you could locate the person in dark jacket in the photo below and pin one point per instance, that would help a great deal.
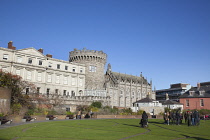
(197, 117)
(189, 117)
(144, 119)
(178, 117)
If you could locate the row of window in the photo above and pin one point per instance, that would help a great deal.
(40, 63)
(48, 92)
(201, 102)
(191, 93)
(49, 78)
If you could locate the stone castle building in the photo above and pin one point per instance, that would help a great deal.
(81, 80)
(122, 89)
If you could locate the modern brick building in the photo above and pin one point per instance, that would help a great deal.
(173, 92)
(197, 97)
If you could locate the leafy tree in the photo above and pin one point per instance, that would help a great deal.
(17, 85)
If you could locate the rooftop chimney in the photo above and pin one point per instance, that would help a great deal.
(198, 85)
(49, 55)
(41, 50)
(167, 97)
(10, 46)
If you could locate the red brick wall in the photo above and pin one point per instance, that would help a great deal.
(194, 103)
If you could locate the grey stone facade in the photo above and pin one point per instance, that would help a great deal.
(95, 63)
(122, 89)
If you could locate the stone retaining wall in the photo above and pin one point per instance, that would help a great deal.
(18, 119)
(5, 98)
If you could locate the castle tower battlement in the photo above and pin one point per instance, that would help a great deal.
(87, 55)
(95, 65)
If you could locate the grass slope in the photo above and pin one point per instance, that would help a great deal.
(105, 129)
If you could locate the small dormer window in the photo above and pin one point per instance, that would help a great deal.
(191, 93)
(201, 92)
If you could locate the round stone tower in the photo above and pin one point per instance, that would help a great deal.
(95, 63)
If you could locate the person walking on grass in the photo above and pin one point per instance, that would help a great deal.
(144, 120)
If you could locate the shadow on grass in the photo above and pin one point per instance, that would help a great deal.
(131, 125)
(156, 122)
(197, 138)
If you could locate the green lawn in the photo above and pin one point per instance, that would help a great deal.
(107, 129)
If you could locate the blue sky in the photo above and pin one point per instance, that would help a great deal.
(167, 40)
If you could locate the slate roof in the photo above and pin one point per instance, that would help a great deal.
(196, 92)
(170, 102)
(145, 100)
(129, 78)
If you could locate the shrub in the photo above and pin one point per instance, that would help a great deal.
(30, 112)
(127, 111)
(97, 104)
(140, 112)
(16, 108)
(52, 112)
(2, 114)
(69, 113)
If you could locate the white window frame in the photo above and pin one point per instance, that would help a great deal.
(49, 78)
(39, 76)
(30, 60)
(50, 64)
(29, 75)
(40, 62)
(19, 59)
(73, 81)
(58, 66)
(57, 81)
(73, 69)
(187, 102)
(80, 82)
(17, 72)
(81, 70)
(65, 80)
(5, 56)
(201, 102)
(92, 68)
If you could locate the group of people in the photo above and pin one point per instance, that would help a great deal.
(191, 118)
(87, 115)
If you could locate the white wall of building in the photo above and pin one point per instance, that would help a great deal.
(45, 72)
